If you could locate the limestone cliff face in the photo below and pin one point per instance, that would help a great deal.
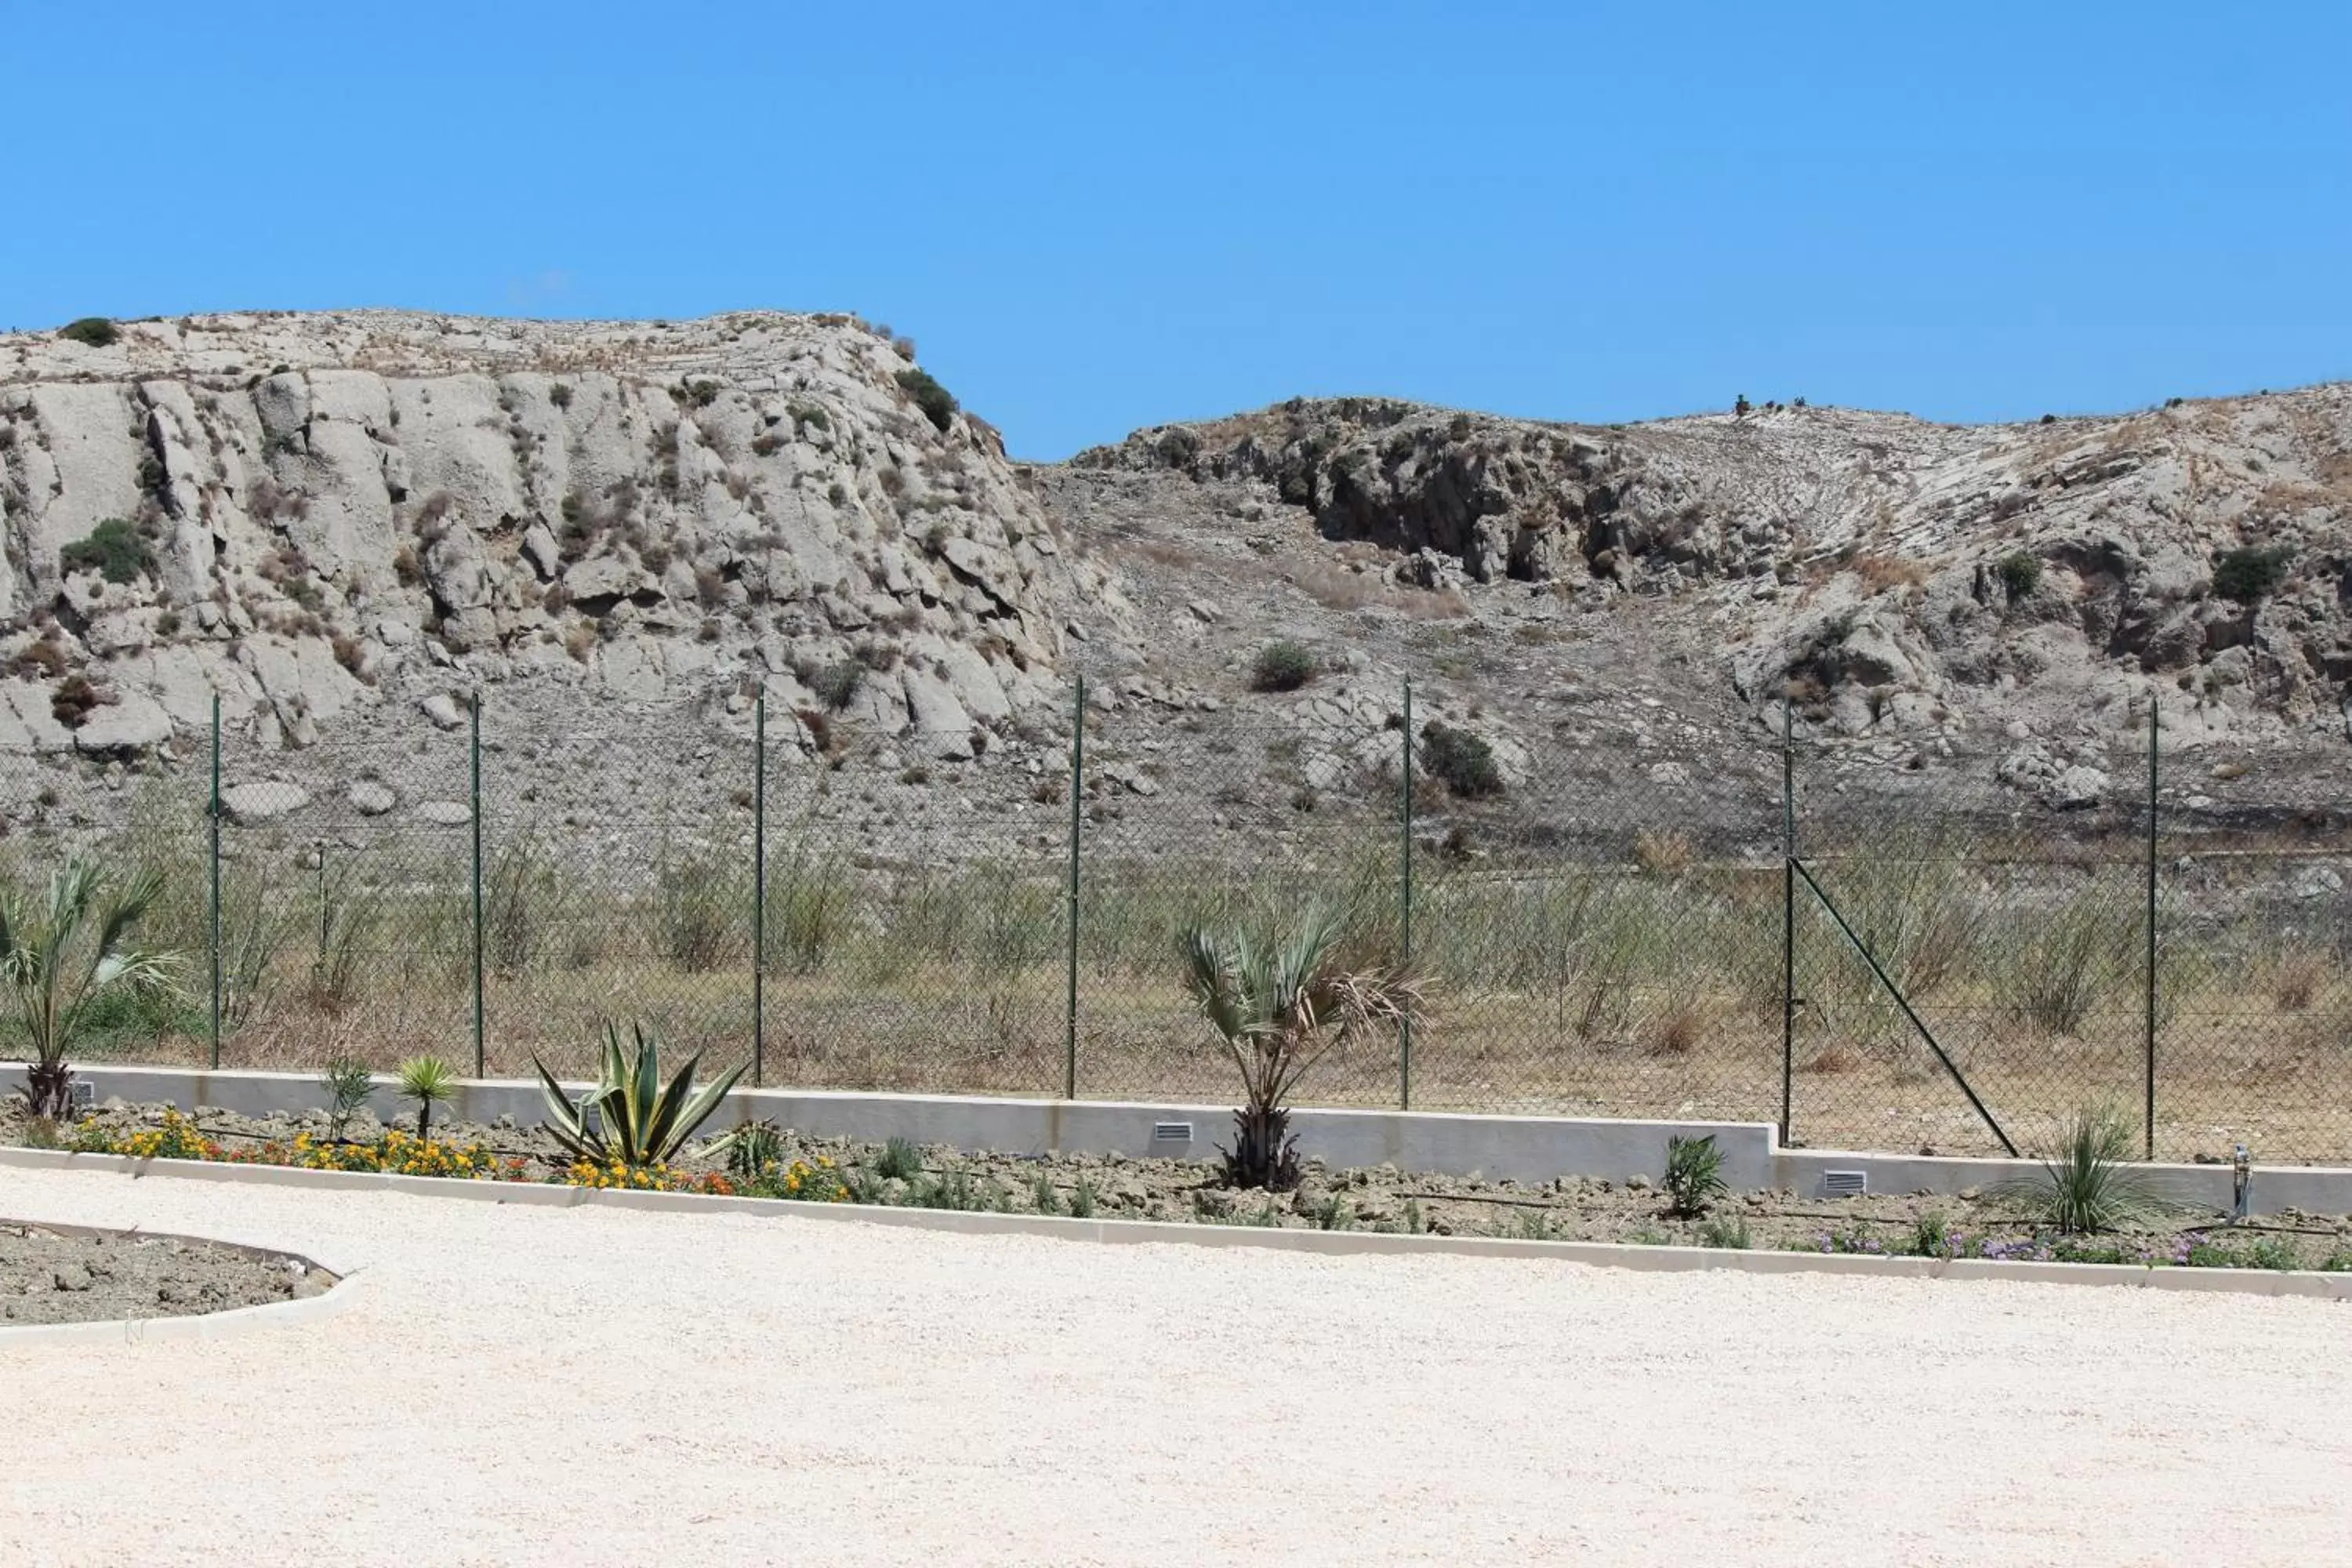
(317, 511)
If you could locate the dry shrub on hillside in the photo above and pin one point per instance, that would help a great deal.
(1676, 1032)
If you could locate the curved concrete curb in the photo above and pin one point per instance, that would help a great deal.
(1136, 1232)
(343, 1287)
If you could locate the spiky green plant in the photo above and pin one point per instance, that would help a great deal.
(1731, 1234)
(629, 1118)
(1278, 1004)
(426, 1081)
(750, 1150)
(900, 1160)
(61, 954)
(950, 1190)
(1694, 1175)
(2089, 1185)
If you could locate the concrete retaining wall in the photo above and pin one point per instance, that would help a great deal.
(1522, 1148)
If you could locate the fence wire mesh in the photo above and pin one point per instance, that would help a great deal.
(1618, 938)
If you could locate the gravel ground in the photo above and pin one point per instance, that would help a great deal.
(531, 1386)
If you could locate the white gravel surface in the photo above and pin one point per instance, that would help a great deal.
(544, 1386)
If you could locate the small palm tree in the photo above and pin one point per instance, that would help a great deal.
(426, 1081)
(1278, 1004)
(60, 952)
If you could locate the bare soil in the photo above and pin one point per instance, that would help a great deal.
(82, 1276)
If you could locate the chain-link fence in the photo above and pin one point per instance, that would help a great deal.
(1600, 936)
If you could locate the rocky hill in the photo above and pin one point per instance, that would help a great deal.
(1985, 612)
(348, 523)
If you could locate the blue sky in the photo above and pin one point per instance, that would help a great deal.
(1093, 217)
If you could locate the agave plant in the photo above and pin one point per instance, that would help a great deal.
(1278, 1004)
(2089, 1185)
(630, 1118)
(60, 952)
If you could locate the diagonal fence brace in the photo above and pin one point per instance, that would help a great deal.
(1903, 1002)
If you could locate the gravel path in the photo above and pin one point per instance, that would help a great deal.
(532, 1385)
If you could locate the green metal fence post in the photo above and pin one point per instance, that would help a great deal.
(473, 755)
(758, 886)
(212, 912)
(1404, 923)
(320, 964)
(2153, 746)
(1788, 918)
(1077, 784)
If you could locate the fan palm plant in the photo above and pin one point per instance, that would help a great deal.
(629, 1118)
(1279, 1003)
(428, 1080)
(63, 950)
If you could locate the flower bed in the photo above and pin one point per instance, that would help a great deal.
(1569, 1209)
(176, 1136)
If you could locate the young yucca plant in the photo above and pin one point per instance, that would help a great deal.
(1694, 1175)
(427, 1080)
(1278, 1004)
(59, 954)
(630, 1118)
(348, 1084)
(2090, 1185)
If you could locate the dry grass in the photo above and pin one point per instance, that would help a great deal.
(1881, 573)
(1560, 987)
(1661, 854)
(2297, 980)
(1336, 588)
(1160, 553)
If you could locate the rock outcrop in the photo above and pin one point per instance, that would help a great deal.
(306, 513)
(352, 528)
(1893, 576)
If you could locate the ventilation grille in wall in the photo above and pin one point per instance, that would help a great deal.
(1172, 1132)
(1844, 1183)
